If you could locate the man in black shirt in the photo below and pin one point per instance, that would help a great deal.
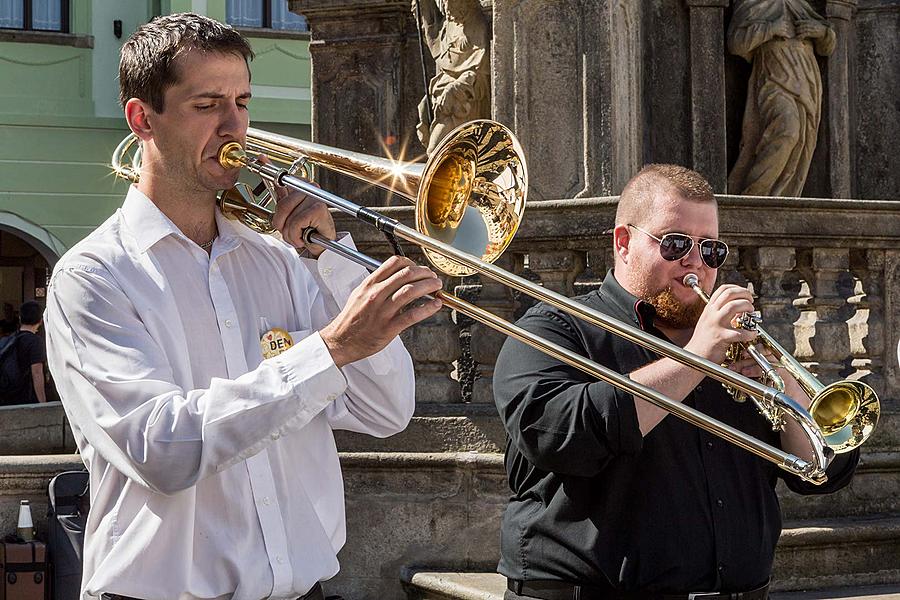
(612, 497)
(28, 353)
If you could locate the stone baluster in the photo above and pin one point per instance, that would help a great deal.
(730, 272)
(592, 275)
(434, 345)
(831, 285)
(775, 266)
(557, 269)
(867, 328)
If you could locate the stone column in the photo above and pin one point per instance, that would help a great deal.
(708, 90)
(366, 82)
(840, 16)
(566, 79)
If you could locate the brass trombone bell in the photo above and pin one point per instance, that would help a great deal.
(470, 193)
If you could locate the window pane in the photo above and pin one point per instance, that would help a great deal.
(282, 18)
(12, 14)
(244, 13)
(45, 14)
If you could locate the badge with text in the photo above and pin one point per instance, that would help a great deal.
(275, 341)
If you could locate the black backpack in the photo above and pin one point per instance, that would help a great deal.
(11, 373)
(67, 512)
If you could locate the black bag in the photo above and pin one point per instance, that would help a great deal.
(67, 513)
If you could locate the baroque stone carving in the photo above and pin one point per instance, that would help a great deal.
(458, 38)
(784, 96)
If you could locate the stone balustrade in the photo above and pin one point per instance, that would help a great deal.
(826, 274)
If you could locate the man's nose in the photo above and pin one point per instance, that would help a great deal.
(232, 120)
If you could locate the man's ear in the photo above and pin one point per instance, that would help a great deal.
(621, 240)
(137, 114)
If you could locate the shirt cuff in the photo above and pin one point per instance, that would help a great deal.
(309, 370)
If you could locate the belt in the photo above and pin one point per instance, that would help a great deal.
(560, 590)
(315, 593)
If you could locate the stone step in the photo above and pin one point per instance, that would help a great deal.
(437, 428)
(423, 585)
(861, 554)
(826, 553)
(889, 591)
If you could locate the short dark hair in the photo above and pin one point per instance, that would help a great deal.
(147, 63)
(30, 313)
(636, 200)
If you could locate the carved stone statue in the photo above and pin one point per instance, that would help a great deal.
(784, 96)
(457, 36)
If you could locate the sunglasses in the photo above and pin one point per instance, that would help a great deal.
(674, 246)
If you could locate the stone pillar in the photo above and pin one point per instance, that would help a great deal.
(708, 90)
(840, 16)
(366, 82)
(566, 79)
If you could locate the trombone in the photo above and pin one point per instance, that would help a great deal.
(469, 199)
(846, 411)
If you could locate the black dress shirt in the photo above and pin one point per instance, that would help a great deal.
(593, 502)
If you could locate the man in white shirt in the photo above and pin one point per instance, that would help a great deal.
(214, 472)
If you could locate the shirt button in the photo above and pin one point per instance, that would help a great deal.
(228, 322)
(327, 271)
(720, 503)
(331, 398)
(721, 568)
(279, 560)
(709, 445)
(276, 435)
(267, 501)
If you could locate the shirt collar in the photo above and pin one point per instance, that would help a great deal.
(149, 225)
(146, 222)
(639, 311)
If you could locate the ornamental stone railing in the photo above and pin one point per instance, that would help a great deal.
(826, 274)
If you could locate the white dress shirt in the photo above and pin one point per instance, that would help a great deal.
(214, 473)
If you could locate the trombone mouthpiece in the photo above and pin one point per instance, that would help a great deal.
(232, 156)
(691, 280)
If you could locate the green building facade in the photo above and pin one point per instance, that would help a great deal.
(60, 120)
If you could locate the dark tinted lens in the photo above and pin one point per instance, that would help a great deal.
(713, 253)
(673, 246)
